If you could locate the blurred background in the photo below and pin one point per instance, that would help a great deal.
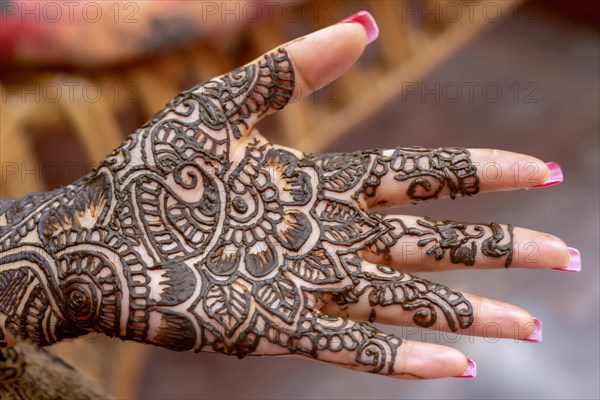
(77, 77)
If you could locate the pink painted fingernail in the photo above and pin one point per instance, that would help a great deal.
(574, 262)
(556, 175)
(367, 21)
(536, 336)
(471, 371)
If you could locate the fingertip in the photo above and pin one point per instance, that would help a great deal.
(536, 332)
(553, 177)
(430, 361)
(499, 320)
(574, 264)
(321, 57)
(500, 170)
(539, 250)
(368, 23)
(471, 371)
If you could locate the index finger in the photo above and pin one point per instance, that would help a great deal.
(408, 175)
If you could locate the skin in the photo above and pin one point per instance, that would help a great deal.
(198, 234)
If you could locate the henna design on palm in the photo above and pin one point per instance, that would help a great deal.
(198, 234)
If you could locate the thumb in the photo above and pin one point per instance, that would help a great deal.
(321, 57)
(315, 59)
(286, 73)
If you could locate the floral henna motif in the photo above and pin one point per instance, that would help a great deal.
(458, 238)
(385, 286)
(428, 171)
(187, 239)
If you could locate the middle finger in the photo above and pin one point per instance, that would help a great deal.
(421, 244)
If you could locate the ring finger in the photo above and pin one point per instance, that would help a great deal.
(381, 294)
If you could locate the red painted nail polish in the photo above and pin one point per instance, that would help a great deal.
(471, 371)
(536, 336)
(367, 21)
(574, 262)
(556, 175)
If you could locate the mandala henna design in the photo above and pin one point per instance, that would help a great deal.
(187, 239)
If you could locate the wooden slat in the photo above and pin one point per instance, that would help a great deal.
(93, 121)
(298, 116)
(208, 61)
(153, 93)
(19, 156)
(394, 39)
(16, 155)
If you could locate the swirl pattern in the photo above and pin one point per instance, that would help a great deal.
(198, 234)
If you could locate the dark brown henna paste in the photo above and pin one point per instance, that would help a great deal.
(173, 242)
(386, 287)
(459, 239)
(428, 171)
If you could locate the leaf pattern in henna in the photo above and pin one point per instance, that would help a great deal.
(183, 239)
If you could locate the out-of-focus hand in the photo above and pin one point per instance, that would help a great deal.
(91, 34)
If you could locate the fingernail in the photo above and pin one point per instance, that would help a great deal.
(367, 21)
(556, 175)
(536, 336)
(471, 371)
(574, 262)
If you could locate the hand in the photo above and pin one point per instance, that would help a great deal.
(199, 234)
(118, 32)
